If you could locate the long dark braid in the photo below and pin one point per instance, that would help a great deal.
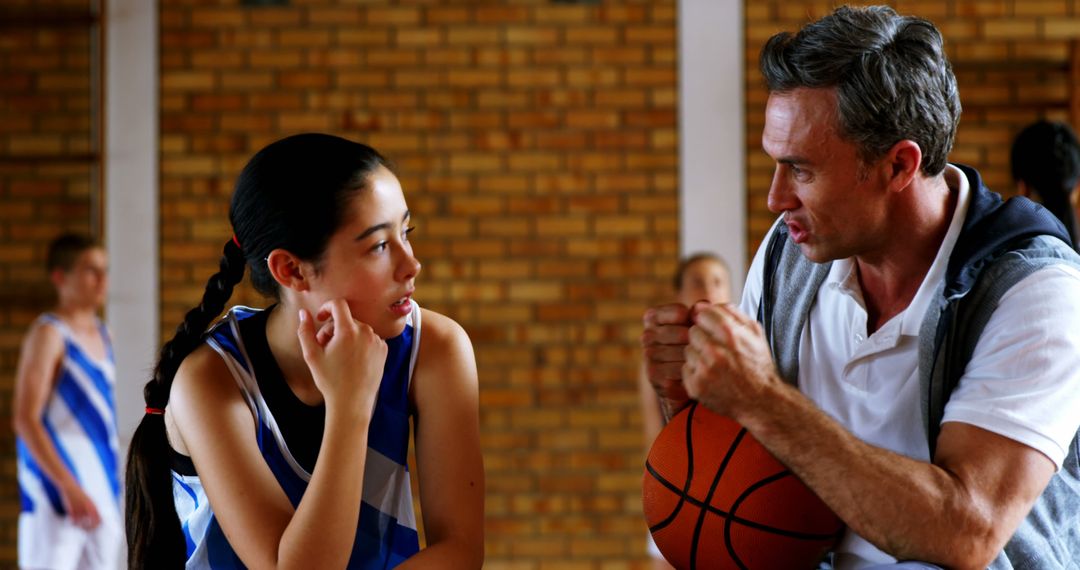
(155, 539)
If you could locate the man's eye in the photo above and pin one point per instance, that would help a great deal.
(800, 173)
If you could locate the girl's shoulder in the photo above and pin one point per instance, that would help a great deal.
(440, 333)
(202, 389)
(445, 371)
(444, 345)
(203, 375)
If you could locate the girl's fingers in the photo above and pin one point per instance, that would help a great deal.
(325, 333)
(338, 310)
(306, 333)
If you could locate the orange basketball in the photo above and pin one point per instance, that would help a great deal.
(715, 498)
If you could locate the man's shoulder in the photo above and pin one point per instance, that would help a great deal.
(994, 228)
(1035, 255)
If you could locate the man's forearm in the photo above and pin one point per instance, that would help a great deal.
(909, 509)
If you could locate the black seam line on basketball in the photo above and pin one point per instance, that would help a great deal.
(722, 513)
(708, 497)
(735, 506)
(787, 533)
(685, 493)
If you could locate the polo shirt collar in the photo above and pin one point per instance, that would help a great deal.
(842, 275)
(916, 310)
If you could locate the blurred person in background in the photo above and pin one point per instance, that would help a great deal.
(65, 420)
(699, 277)
(1045, 161)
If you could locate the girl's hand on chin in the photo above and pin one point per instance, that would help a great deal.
(345, 356)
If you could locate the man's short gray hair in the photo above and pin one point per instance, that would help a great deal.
(892, 79)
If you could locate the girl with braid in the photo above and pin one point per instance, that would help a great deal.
(278, 437)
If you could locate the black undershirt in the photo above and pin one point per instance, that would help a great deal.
(301, 425)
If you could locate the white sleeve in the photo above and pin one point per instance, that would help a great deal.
(751, 296)
(1023, 380)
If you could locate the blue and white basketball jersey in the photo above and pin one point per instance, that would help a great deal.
(80, 418)
(386, 532)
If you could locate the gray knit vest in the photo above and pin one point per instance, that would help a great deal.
(1049, 538)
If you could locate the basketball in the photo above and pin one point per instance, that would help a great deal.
(715, 498)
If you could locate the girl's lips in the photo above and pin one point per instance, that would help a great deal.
(403, 306)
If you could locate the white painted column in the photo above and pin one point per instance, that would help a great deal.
(131, 199)
(712, 165)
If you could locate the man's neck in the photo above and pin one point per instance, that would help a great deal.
(78, 317)
(890, 275)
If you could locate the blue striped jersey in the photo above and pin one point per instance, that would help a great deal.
(386, 531)
(80, 418)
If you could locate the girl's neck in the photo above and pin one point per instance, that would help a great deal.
(285, 346)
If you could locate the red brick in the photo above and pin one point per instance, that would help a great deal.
(218, 17)
(276, 17)
(366, 78)
(362, 36)
(532, 35)
(188, 80)
(473, 35)
(501, 14)
(424, 37)
(218, 59)
(310, 38)
(392, 57)
(500, 57)
(591, 35)
(393, 16)
(334, 58)
(335, 16)
(448, 14)
(303, 79)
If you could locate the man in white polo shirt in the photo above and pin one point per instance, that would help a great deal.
(917, 359)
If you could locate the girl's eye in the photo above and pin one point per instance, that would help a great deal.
(384, 245)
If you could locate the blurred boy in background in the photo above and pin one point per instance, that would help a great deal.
(65, 421)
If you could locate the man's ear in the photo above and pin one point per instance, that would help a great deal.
(288, 270)
(904, 162)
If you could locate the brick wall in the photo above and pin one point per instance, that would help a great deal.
(48, 184)
(1012, 60)
(536, 143)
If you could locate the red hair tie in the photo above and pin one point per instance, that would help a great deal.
(237, 242)
(155, 411)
